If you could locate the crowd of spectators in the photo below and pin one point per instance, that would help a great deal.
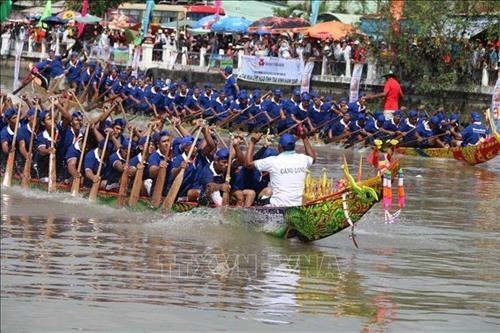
(468, 56)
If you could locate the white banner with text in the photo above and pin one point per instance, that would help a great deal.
(270, 70)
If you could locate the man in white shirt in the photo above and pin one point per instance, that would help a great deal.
(287, 171)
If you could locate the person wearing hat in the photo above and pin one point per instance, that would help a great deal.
(428, 133)
(43, 143)
(91, 163)
(73, 70)
(159, 159)
(274, 111)
(116, 167)
(474, 133)
(287, 171)
(355, 108)
(373, 128)
(231, 87)
(7, 134)
(240, 108)
(26, 130)
(207, 98)
(408, 129)
(211, 178)
(391, 95)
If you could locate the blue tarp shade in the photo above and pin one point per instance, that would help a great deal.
(231, 24)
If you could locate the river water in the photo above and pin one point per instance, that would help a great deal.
(68, 265)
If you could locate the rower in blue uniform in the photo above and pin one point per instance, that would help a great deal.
(475, 132)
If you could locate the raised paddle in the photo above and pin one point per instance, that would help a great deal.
(9, 168)
(227, 180)
(75, 185)
(122, 191)
(137, 184)
(52, 154)
(160, 182)
(176, 185)
(27, 164)
(95, 185)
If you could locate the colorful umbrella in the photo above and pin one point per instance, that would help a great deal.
(206, 22)
(231, 24)
(68, 15)
(332, 29)
(54, 20)
(88, 19)
(277, 25)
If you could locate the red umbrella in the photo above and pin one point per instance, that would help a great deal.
(276, 25)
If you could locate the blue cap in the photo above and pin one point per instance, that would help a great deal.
(222, 154)
(397, 113)
(361, 117)
(434, 120)
(475, 116)
(453, 117)
(314, 94)
(133, 77)
(413, 114)
(77, 114)
(380, 117)
(287, 141)
(377, 113)
(31, 112)
(277, 92)
(343, 99)
(157, 136)
(114, 68)
(119, 122)
(306, 98)
(186, 141)
(92, 65)
(256, 93)
(142, 140)
(243, 94)
(328, 99)
(125, 143)
(42, 115)
(269, 152)
(74, 54)
(207, 85)
(296, 92)
(422, 114)
(159, 83)
(10, 112)
(123, 75)
(228, 70)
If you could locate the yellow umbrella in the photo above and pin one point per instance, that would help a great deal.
(331, 29)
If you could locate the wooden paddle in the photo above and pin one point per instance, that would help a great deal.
(137, 185)
(95, 185)
(52, 155)
(75, 186)
(291, 127)
(122, 191)
(225, 195)
(9, 168)
(176, 185)
(160, 181)
(27, 164)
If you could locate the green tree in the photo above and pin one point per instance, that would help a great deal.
(431, 52)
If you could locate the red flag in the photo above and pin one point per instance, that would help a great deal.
(84, 11)
(372, 158)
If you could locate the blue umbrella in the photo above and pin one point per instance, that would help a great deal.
(54, 20)
(231, 24)
(206, 21)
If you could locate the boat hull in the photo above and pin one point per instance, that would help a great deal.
(472, 155)
(318, 219)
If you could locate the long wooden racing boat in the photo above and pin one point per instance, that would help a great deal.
(319, 218)
(480, 153)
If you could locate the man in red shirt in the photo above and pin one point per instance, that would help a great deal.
(392, 93)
